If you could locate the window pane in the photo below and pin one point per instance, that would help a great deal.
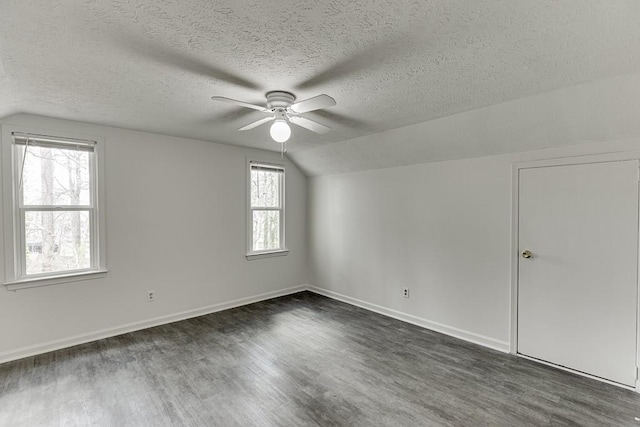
(266, 230)
(265, 189)
(54, 176)
(57, 241)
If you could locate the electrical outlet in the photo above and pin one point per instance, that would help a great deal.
(405, 292)
(151, 296)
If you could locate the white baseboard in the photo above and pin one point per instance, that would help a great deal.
(33, 350)
(482, 340)
(36, 349)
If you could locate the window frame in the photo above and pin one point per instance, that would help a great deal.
(282, 250)
(14, 213)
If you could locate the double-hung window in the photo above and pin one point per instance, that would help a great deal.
(266, 209)
(54, 229)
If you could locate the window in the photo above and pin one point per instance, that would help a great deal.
(52, 193)
(266, 209)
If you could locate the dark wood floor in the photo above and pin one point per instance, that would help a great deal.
(294, 361)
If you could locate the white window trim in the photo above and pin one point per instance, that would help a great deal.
(283, 243)
(11, 227)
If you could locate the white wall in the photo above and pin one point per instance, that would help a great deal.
(175, 224)
(442, 229)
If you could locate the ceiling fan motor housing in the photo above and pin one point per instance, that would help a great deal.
(279, 99)
(282, 109)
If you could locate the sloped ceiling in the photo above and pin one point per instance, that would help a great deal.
(153, 66)
(605, 110)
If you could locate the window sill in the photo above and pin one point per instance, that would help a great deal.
(36, 282)
(259, 255)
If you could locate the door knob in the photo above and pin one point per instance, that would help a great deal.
(526, 254)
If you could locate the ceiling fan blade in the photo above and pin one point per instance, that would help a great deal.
(256, 124)
(240, 103)
(309, 124)
(235, 114)
(150, 50)
(311, 104)
(345, 120)
(368, 58)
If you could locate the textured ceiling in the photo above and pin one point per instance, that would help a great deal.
(153, 66)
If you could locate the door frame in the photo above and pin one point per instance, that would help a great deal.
(515, 255)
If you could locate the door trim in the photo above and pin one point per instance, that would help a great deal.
(515, 194)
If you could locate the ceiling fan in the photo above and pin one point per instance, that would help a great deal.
(282, 110)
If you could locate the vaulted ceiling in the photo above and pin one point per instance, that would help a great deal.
(154, 65)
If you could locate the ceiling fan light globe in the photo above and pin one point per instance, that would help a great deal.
(280, 131)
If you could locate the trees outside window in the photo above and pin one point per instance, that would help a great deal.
(266, 214)
(56, 209)
(52, 212)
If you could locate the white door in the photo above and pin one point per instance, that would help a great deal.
(577, 293)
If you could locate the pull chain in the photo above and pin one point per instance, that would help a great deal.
(24, 157)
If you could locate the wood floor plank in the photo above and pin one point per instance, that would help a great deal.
(300, 360)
